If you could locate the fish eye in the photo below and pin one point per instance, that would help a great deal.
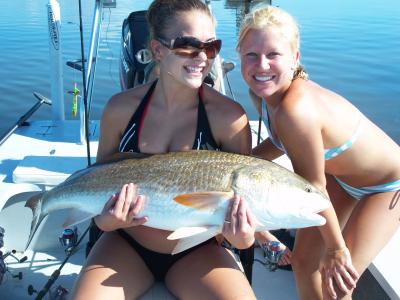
(308, 189)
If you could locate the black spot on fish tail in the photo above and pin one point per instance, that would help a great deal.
(19, 198)
(34, 227)
(35, 204)
(33, 201)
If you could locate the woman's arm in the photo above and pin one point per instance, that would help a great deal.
(229, 124)
(115, 118)
(231, 130)
(267, 150)
(110, 130)
(121, 209)
(299, 126)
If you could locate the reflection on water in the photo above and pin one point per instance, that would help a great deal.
(351, 47)
(243, 7)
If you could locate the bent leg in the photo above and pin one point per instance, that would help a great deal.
(309, 245)
(307, 252)
(209, 272)
(370, 227)
(113, 271)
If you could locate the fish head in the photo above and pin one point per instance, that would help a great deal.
(292, 206)
(283, 199)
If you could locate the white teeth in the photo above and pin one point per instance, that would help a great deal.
(194, 69)
(263, 78)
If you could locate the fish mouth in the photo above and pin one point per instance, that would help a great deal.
(312, 217)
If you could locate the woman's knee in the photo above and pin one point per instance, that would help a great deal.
(300, 261)
(112, 268)
(305, 259)
(211, 272)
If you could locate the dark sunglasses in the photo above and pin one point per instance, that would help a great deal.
(188, 46)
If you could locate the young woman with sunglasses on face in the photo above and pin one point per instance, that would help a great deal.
(176, 112)
(330, 143)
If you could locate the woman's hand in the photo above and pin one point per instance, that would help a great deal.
(338, 272)
(286, 256)
(239, 226)
(121, 210)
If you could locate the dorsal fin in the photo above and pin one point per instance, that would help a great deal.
(122, 156)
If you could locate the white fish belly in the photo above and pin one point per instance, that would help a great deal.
(164, 213)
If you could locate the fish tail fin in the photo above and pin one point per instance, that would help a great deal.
(35, 204)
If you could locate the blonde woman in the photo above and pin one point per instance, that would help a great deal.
(330, 143)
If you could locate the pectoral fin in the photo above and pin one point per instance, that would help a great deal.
(184, 232)
(77, 216)
(203, 200)
(195, 240)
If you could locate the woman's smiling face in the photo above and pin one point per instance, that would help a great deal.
(190, 71)
(267, 61)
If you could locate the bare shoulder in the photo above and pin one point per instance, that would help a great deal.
(302, 100)
(121, 106)
(126, 101)
(221, 107)
(301, 107)
(116, 116)
(228, 122)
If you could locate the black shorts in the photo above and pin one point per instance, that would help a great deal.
(158, 263)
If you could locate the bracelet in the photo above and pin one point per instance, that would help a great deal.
(332, 251)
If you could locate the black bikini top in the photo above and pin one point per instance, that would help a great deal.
(204, 139)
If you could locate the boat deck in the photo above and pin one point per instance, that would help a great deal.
(43, 154)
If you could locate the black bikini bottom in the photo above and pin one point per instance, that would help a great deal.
(158, 263)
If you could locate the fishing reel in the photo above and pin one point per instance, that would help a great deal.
(69, 239)
(272, 255)
(59, 293)
(3, 264)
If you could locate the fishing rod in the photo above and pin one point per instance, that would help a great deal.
(85, 80)
(56, 273)
(41, 99)
(85, 105)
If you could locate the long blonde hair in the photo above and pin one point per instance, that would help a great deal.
(269, 16)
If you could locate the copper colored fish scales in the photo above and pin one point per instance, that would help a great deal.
(190, 189)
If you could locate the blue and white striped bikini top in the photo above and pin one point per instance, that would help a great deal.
(329, 153)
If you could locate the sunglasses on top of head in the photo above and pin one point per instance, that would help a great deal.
(188, 46)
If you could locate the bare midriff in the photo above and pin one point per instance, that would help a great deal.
(151, 238)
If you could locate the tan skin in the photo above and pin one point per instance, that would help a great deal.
(265, 236)
(114, 270)
(307, 119)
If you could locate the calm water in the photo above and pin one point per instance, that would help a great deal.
(351, 47)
